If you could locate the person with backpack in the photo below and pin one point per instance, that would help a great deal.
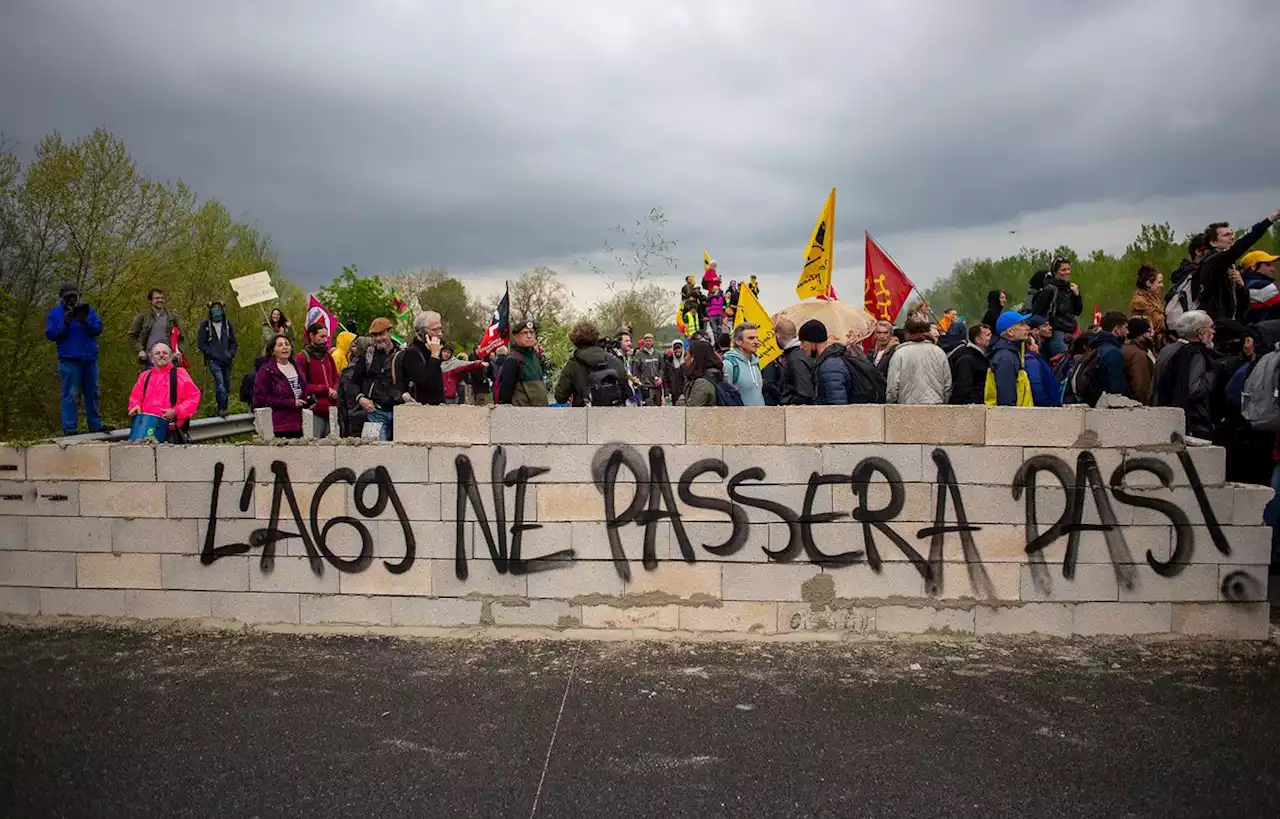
(351, 415)
(1260, 278)
(742, 367)
(1184, 287)
(1007, 382)
(703, 378)
(591, 377)
(840, 375)
(1148, 302)
(1102, 368)
(919, 373)
(522, 381)
(1059, 301)
(1139, 357)
(648, 369)
(1223, 294)
(375, 378)
(167, 391)
(216, 341)
(1190, 376)
(969, 366)
(788, 379)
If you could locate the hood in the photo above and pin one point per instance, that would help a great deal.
(1038, 280)
(1100, 338)
(835, 349)
(958, 329)
(590, 356)
(993, 299)
(344, 340)
(734, 352)
(1003, 343)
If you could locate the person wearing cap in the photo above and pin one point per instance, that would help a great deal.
(1260, 277)
(742, 366)
(1148, 301)
(788, 379)
(375, 378)
(522, 382)
(1059, 301)
(673, 371)
(918, 373)
(216, 341)
(648, 368)
(74, 327)
(1223, 294)
(1007, 382)
(1139, 358)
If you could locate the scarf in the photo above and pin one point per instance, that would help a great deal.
(317, 351)
(530, 365)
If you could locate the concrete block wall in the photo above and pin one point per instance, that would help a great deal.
(764, 520)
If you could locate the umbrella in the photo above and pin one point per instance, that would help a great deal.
(840, 317)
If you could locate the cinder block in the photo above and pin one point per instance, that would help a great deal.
(663, 618)
(294, 574)
(578, 579)
(536, 425)
(433, 540)
(196, 463)
(942, 424)
(71, 462)
(13, 534)
(449, 502)
(133, 462)
(443, 460)
(917, 501)
(761, 426)
(1093, 619)
(536, 543)
(979, 464)
(835, 425)
(405, 464)
(118, 571)
(1250, 545)
(1035, 426)
(37, 569)
(13, 463)
(1139, 426)
(167, 605)
(859, 581)
(359, 611)
(421, 501)
(15, 600)
(702, 535)
(672, 580)
(1138, 541)
(306, 463)
(555, 613)
(1223, 621)
(58, 499)
(989, 582)
(1194, 583)
(192, 500)
(126, 500)
(180, 537)
(567, 464)
(680, 458)
(1221, 501)
(333, 504)
(635, 425)
(797, 617)
(423, 424)
(1054, 619)
(1242, 584)
(766, 582)
(792, 496)
(1210, 463)
(733, 616)
(1248, 503)
(376, 580)
(1107, 459)
(910, 460)
(922, 619)
(249, 607)
(577, 501)
(263, 429)
(82, 602)
(69, 534)
(186, 572)
(590, 541)
(781, 464)
(482, 580)
(443, 613)
(1092, 582)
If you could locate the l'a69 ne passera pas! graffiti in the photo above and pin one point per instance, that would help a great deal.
(654, 500)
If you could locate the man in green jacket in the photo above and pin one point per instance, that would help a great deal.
(152, 326)
(522, 381)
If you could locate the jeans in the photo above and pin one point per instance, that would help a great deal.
(221, 378)
(1055, 345)
(383, 417)
(79, 378)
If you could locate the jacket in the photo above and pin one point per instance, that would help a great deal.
(515, 387)
(673, 376)
(1006, 361)
(968, 374)
(1219, 297)
(1139, 367)
(715, 305)
(1148, 305)
(320, 375)
(795, 376)
(957, 336)
(833, 383)
(744, 373)
(217, 349)
(374, 378)
(648, 365)
(1045, 390)
(456, 373)
(701, 391)
(77, 338)
(919, 374)
(421, 370)
(573, 387)
(1264, 298)
(340, 348)
(993, 309)
(150, 393)
(883, 358)
(271, 389)
(1056, 302)
(1188, 382)
(1110, 371)
(140, 329)
(1162, 364)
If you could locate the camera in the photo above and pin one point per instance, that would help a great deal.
(71, 301)
(611, 345)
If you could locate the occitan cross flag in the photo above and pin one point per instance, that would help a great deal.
(819, 256)
(750, 309)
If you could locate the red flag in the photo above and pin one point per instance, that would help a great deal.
(318, 312)
(1097, 315)
(887, 287)
(498, 332)
(830, 295)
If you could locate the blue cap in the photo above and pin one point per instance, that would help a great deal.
(1009, 318)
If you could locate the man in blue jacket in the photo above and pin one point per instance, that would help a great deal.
(75, 327)
(1110, 369)
(1007, 353)
(216, 340)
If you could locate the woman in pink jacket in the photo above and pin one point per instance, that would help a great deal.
(151, 393)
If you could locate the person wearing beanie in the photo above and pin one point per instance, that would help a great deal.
(832, 381)
(788, 380)
(918, 373)
(1139, 358)
(74, 327)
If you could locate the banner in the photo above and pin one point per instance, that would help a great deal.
(819, 260)
(498, 332)
(318, 312)
(706, 260)
(253, 289)
(400, 306)
(750, 309)
(887, 287)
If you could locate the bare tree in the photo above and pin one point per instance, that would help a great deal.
(540, 296)
(640, 253)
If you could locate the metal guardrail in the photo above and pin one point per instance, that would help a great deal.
(202, 429)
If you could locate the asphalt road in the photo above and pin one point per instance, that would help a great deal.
(113, 723)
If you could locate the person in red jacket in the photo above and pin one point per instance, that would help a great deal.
(321, 375)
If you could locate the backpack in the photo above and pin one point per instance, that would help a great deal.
(246, 388)
(727, 395)
(603, 389)
(868, 383)
(1235, 387)
(1182, 299)
(1260, 398)
(1084, 381)
(178, 433)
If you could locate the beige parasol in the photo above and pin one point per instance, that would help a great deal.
(840, 317)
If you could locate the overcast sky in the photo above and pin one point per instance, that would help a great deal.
(489, 137)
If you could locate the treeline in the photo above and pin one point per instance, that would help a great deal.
(82, 212)
(1105, 280)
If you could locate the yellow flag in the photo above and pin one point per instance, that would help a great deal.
(819, 259)
(706, 259)
(749, 309)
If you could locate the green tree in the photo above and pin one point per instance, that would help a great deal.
(357, 300)
(644, 310)
(464, 319)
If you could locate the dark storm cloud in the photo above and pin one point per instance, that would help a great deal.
(488, 135)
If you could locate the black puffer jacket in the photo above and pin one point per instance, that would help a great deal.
(968, 375)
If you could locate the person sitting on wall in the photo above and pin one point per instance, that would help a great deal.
(164, 390)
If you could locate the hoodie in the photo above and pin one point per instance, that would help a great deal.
(957, 336)
(1110, 372)
(994, 309)
(1045, 389)
(968, 374)
(744, 373)
(217, 343)
(340, 347)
